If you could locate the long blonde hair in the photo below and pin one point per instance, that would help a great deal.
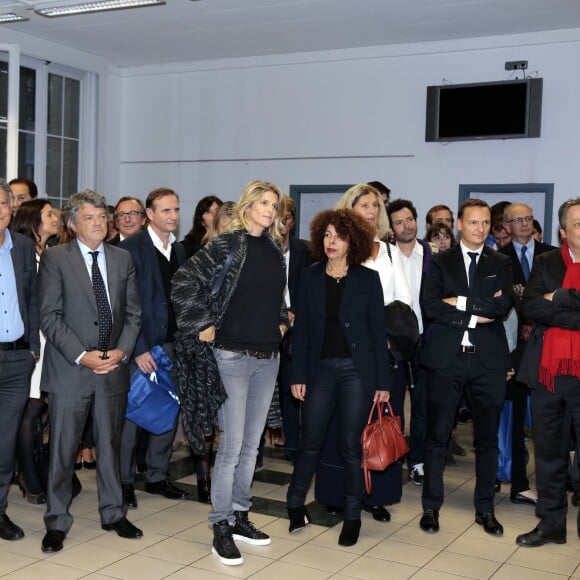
(352, 195)
(252, 193)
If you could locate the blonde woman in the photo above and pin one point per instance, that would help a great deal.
(243, 323)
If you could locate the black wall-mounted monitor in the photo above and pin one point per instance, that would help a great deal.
(498, 110)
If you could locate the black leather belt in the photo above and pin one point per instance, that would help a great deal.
(254, 353)
(467, 349)
(16, 345)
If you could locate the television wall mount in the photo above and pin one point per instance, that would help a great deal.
(516, 65)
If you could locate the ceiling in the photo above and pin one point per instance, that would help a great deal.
(185, 30)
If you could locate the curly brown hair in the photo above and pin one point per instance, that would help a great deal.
(349, 226)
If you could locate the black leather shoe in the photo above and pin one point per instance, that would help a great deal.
(166, 489)
(9, 530)
(53, 540)
(204, 490)
(497, 486)
(430, 521)
(299, 518)
(349, 533)
(129, 495)
(538, 537)
(379, 513)
(576, 498)
(124, 529)
(519, 498)
(489, 523)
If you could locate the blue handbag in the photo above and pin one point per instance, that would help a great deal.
(152, 402)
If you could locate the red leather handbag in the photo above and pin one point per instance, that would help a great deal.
(383, 442)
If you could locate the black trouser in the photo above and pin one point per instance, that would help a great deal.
(518, 393)
(485, 390)
(549, 411)
(337, 386)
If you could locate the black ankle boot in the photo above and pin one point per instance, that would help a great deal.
(204, 489)
(299, 518)
(349, 533)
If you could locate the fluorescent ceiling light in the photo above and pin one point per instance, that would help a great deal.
(64, 9)
(13, 16)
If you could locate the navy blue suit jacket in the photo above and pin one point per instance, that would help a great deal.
(154, 303)
(362, 317)
(24, 260)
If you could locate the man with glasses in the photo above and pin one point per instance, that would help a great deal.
(129, 217)
(439, 214)
(523, 249)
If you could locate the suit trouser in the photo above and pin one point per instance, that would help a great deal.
(485, 390)
(159, 447)
(518, 393)
(549, 412)
(68, 414)
(15, 370)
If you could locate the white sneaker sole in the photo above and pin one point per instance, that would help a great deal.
(227, 561)
(251, 540)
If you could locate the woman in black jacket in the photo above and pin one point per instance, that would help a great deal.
(340, 358)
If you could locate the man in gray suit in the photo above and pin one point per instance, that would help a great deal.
(19, 345)
(90, 313)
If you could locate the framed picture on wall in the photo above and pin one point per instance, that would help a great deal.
(309, 200)
(539, 196)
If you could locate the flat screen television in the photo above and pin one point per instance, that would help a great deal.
(497, 110)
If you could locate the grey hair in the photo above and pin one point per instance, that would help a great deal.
(563, 211)
(5, 187)
(77, 200)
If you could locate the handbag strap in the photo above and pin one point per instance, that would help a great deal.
(220, 279)
(380, 410)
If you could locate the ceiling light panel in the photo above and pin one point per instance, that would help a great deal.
(70, 9)
(13, 16)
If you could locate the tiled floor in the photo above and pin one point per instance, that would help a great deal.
(176, 543)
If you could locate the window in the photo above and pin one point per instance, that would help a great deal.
(50, 127)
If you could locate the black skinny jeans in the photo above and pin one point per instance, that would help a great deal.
(337, 386)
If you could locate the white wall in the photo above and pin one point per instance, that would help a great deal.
(342, 117)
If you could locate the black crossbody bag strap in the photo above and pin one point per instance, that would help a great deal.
(220, 279)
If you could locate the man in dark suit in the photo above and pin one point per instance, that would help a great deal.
(129, 218)
(550, 367)
(19, 346)
(523, 250)
(297, 256)
(157, 257)
(90, 314)
(466, 296)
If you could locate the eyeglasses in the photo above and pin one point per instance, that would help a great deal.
(521, 220)
(442, 237)
(129, 214)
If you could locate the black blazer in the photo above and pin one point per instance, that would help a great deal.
(447, 277)
(155, 312)
(300, 258)
(563, 311)
(509, 250)
(361, 315)
(24, 260)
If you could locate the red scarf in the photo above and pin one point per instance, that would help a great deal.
(561, 349)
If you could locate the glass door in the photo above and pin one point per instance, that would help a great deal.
(9, 92)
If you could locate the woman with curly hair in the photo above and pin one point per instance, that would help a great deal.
(340, 358)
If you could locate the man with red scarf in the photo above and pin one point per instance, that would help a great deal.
(551, 367)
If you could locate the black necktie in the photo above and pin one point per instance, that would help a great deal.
(472, 269)
(471, 276)
(525, 263)
(103, 308)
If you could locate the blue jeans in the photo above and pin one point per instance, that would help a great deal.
(249, 384)
(336, 386)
